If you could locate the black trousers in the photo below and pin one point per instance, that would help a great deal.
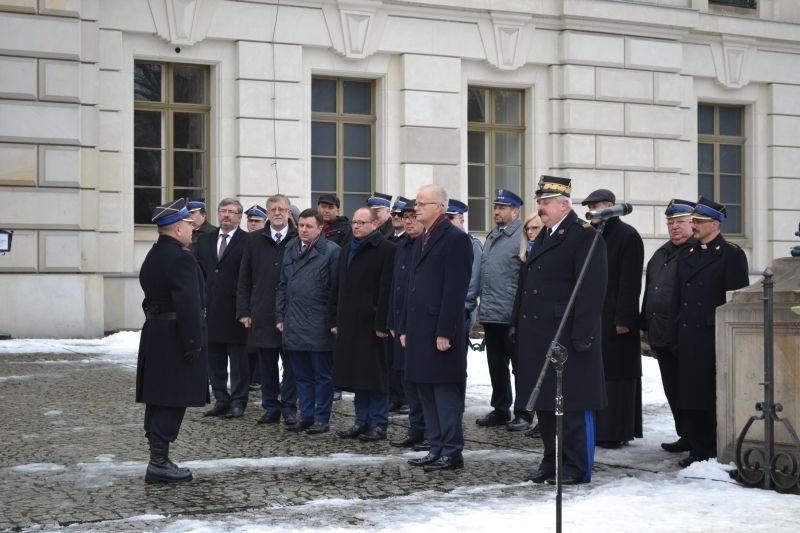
(578, 437)
(701, 428)
(163, 422)
(499, 352)
(218, 354)
(443, 409)
(668, 365)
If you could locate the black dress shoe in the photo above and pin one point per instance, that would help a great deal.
(518, 424)
(492, 419)
(535, 432)
(300, 426)
(317, 428)
(352, 433)
(269, 418)
(610, 444)
(218, 410)
(686, 461)
(566, 480)
(289, 420)
(373, 435)
(407, 441)
(680, 445)
(445, 463)
(236, 412)
(540, 476)
(422, 461)
(423, 446)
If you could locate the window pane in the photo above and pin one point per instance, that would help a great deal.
(188, 130)
(730, 189)
(351, 202)
(357, 140)
(147, 82)
(323, 95)
(144, 202)
(477, 215)
(187, 193)
(323, 138)
(507, 148)
(476, 147)
(705, 158)
(147, 126)
(705, 119)
(730, 158)
(358, 97)
(476, 180)
(733, 223)
(323, 174)
(506, 177)
(188, 171)
(357, 175)
(730, 121)
(508, 107)
(705, 185)
(189, 85)
(476, 105)
(147, 167)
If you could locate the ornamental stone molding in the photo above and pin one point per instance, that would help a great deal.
(732, 60)
(182, 22)
(354, 26)
(506, 38)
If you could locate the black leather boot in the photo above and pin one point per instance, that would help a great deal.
(160, 469)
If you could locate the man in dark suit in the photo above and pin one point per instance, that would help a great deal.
(220, 255)
(197, 210)
(659, 311)
(358, 308)
(255, 308)
(706, 271)
(171, 370)
(433, 329)
(546, 283)
(621, 420)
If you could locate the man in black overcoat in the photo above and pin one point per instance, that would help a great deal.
(433, 329)
(358, 307)
(547, 280)
(659, 309)
(706, 270)
(259, 276)
(397, 397)
(171, 369)
(197, 210)
(621, 420)
(220, 255)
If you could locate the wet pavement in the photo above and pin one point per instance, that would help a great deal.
(74, 452)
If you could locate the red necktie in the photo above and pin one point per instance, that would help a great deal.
(222, 245)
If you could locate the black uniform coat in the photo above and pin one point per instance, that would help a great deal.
(436, 294)
(222, 278)
(172, 283)
(358, 307)
(397, 297)
(622, 353)
(546, 282)
(704, 276)
(259, 276)
(205, 228)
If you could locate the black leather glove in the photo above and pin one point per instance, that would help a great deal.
(191, 355)
(582, 346)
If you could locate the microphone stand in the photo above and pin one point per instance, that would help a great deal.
(557, 354)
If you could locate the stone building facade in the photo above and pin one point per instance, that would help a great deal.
(107, 107)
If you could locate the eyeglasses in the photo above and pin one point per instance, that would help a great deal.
(359, 223)
(277, 210)
(229, 212)
(397, 215)
(409, 218)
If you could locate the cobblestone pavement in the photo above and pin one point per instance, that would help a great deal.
(74, 452)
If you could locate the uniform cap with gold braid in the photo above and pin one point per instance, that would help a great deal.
(196, 204)
(378, 200)
(550, 186)
(256, 212)
(167, 214)
(679, 208)
(709, 210)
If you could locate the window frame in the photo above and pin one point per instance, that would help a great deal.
(168, 107)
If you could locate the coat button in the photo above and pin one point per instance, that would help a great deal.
(535, 317)
(535, 291)
(524, 316)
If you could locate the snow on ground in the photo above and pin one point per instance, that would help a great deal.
(657, 498)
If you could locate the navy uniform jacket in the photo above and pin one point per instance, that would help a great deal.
(546, 283)
(222, 278)
(704, 277)
(172, 283)
(435, 299)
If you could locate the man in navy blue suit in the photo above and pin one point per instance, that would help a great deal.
(432, 329)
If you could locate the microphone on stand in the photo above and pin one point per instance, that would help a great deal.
(613, 211)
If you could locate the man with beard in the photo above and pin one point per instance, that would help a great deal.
(546, 282)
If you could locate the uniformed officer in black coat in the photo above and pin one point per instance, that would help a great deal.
(547, 280)
(621, 420)
(171, 369)
(659, 311)
(706, 271)
(397, 397)
(220, 256)
(197, 210)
